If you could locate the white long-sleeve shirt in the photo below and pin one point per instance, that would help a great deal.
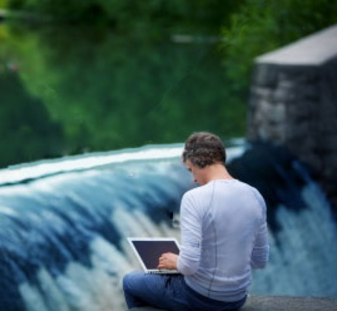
(223, 237)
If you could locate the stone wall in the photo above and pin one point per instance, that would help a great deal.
(293, 101)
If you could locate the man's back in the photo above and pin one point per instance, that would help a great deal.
(222, 222)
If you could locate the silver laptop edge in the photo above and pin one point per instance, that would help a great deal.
(154, 271)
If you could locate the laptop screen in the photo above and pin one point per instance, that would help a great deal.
(150, 251)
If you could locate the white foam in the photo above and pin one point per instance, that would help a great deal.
(7, 211)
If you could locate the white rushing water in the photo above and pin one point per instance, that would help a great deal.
(63, 237)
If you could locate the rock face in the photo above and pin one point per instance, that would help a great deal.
(293, 101)
(277, 303)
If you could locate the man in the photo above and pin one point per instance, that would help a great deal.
(223, 237)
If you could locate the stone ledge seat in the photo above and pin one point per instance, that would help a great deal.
(278, 303)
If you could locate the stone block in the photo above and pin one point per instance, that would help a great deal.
(311, 92)
(277, 114)
(300, 110)
(265, 75)
(298, 131)
(268, 112)
(285, 92)
(261, 92)
(274, 132)
(279, 303)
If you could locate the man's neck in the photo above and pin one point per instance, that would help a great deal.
(215, 172)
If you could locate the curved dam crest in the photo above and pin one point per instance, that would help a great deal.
(63, 237)
(62, 233)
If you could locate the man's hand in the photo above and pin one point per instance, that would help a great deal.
(168, 261)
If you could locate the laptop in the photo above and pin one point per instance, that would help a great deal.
(148, 251)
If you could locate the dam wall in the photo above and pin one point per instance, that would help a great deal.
(293, 102)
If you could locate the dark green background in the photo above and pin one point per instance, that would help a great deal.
(73, 91)
(104, 75)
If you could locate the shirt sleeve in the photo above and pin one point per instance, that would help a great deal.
(260, 252)
(191, 235)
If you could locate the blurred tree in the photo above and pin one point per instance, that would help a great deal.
(261, 26)
(110, 92)
(102, 90)
(26, 131)
(3, 4)
(204, 15)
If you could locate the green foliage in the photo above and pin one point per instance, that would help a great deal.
(105, 91)
(3, 4)
(95, 90)
(204, 15)
(261, 26)
(26, 131)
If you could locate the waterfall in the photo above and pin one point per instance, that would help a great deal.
(64, 223)
(302, 227)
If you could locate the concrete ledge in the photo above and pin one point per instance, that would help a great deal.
(279, 303)
(312, 50)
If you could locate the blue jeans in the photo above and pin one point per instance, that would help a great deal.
(169, 292)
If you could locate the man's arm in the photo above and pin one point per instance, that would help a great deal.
(260, 252)
(191, 235)
(261, 249)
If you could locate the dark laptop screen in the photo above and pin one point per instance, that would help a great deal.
(150, 251)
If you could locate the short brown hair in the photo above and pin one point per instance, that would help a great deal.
(204, 149)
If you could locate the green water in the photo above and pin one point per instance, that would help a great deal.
(74, 90)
